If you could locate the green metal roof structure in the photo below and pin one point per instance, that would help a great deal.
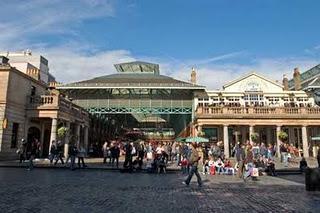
(307, 77)
(137, 93)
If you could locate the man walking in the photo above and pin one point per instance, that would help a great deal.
(194, 159)
(115, 154)
(59, 151)
(128, 156)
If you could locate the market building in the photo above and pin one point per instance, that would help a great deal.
(137, 97)
(254, 104)
(31, 109)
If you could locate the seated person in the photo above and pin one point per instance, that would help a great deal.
(136, 164)
(271, 167)
(228, 168)
(206, 167)
(161, 164)
(303, 164)
(260, 164)
(219, 166)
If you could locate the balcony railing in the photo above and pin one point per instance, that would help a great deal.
(54, 102)
(257, 111)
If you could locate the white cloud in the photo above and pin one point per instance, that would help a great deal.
(68, 65)
(214, 76)
(22, 20)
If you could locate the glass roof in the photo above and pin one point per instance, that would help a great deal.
(138, 67)
(307, 75)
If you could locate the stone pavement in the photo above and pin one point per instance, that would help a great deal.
(47, 190)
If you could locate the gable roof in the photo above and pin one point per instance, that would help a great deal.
(251, 74)
(132, 80)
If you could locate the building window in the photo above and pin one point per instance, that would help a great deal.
(14, 138)
(33, 90)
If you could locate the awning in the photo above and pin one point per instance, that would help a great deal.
(197, 139)
(316, 138)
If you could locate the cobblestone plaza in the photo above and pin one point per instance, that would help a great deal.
(58, 190)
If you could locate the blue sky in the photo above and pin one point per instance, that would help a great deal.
(222, 39)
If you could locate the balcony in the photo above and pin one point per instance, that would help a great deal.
(55, 104)
(258, 112)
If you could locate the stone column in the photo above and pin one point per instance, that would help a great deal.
(236, 134)
(278, 141)
(66, 140)
(291, 135)
(78, 135)
(53, 136)
(269, 135)
(42, 137)
(251, 131)
(305, 142)
(226, 141)
(244, 133)
(86, 130)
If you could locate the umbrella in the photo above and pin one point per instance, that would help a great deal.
(180, 139)
(197, 139)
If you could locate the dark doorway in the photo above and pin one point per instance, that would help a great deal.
(33, 133)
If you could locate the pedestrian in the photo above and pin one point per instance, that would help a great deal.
(141, 154)
(237, 153)
(106, 151)
(303, 164)
(22, 150)
(241, 161)
(81, 155)
(59, 152)
(284, 154)
(128, 156)
(32, 150)
(194, 159)
(72, 152)
(115, 154)
(53, 151)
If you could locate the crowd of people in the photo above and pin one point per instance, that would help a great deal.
(250, 159)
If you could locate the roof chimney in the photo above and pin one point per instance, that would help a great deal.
(3, 60)
(193, 76)
(296, 79)
(285, 82)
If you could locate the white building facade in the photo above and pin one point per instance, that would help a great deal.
(254, 104)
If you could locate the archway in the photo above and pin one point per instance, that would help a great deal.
(33, 133)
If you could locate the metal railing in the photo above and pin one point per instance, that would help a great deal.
(55, 102)
(257, 111)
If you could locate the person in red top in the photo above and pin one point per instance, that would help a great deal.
(184, 165)
(228, 168)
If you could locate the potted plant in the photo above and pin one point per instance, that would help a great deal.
(62, 132)
(201, 134)
(254, 136)
(283, 136)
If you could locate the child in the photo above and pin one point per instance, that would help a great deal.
(206, 167)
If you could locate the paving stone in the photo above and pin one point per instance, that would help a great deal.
(48, 190)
